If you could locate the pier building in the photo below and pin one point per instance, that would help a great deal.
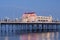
(29, 17)
(44, 18)
(32, 17)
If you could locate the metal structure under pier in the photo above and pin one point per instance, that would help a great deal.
(28, 27)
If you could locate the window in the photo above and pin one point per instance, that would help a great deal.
(38, 20)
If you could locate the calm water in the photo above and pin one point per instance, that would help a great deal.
(9, 35)
(31, 36)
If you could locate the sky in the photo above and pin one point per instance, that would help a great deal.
(16, 8)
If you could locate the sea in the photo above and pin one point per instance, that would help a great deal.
(32, 36)
(5, 34)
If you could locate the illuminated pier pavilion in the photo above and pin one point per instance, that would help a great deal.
(29, 22)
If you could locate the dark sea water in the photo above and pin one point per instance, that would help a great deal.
(31, 36)
(8, 34)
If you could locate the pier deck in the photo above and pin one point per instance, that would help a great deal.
(29, 22)
(30, 26)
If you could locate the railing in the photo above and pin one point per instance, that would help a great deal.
(20, 21)
(25, 22)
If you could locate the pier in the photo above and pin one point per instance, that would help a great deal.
(17, 27)
(29, 22)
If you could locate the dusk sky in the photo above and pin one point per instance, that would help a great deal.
(15, 8)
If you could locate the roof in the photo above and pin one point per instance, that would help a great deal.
(29, 13)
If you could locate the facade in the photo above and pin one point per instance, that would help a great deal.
(32, 17)
(44, 18)
(29, 17)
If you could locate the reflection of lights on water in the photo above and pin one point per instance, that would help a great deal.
(57, 35)
(48, 36)
(29, 37)
(37, 36)
(41, 36)
(24, 37)
(44, 36)
(33, 37)
(6, 38)
(52, 35)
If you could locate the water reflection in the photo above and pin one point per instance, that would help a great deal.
(6, 38)
(41, 36)
(32, 36)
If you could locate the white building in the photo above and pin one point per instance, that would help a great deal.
(32, 17)
(29, 17)
(44, 18)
